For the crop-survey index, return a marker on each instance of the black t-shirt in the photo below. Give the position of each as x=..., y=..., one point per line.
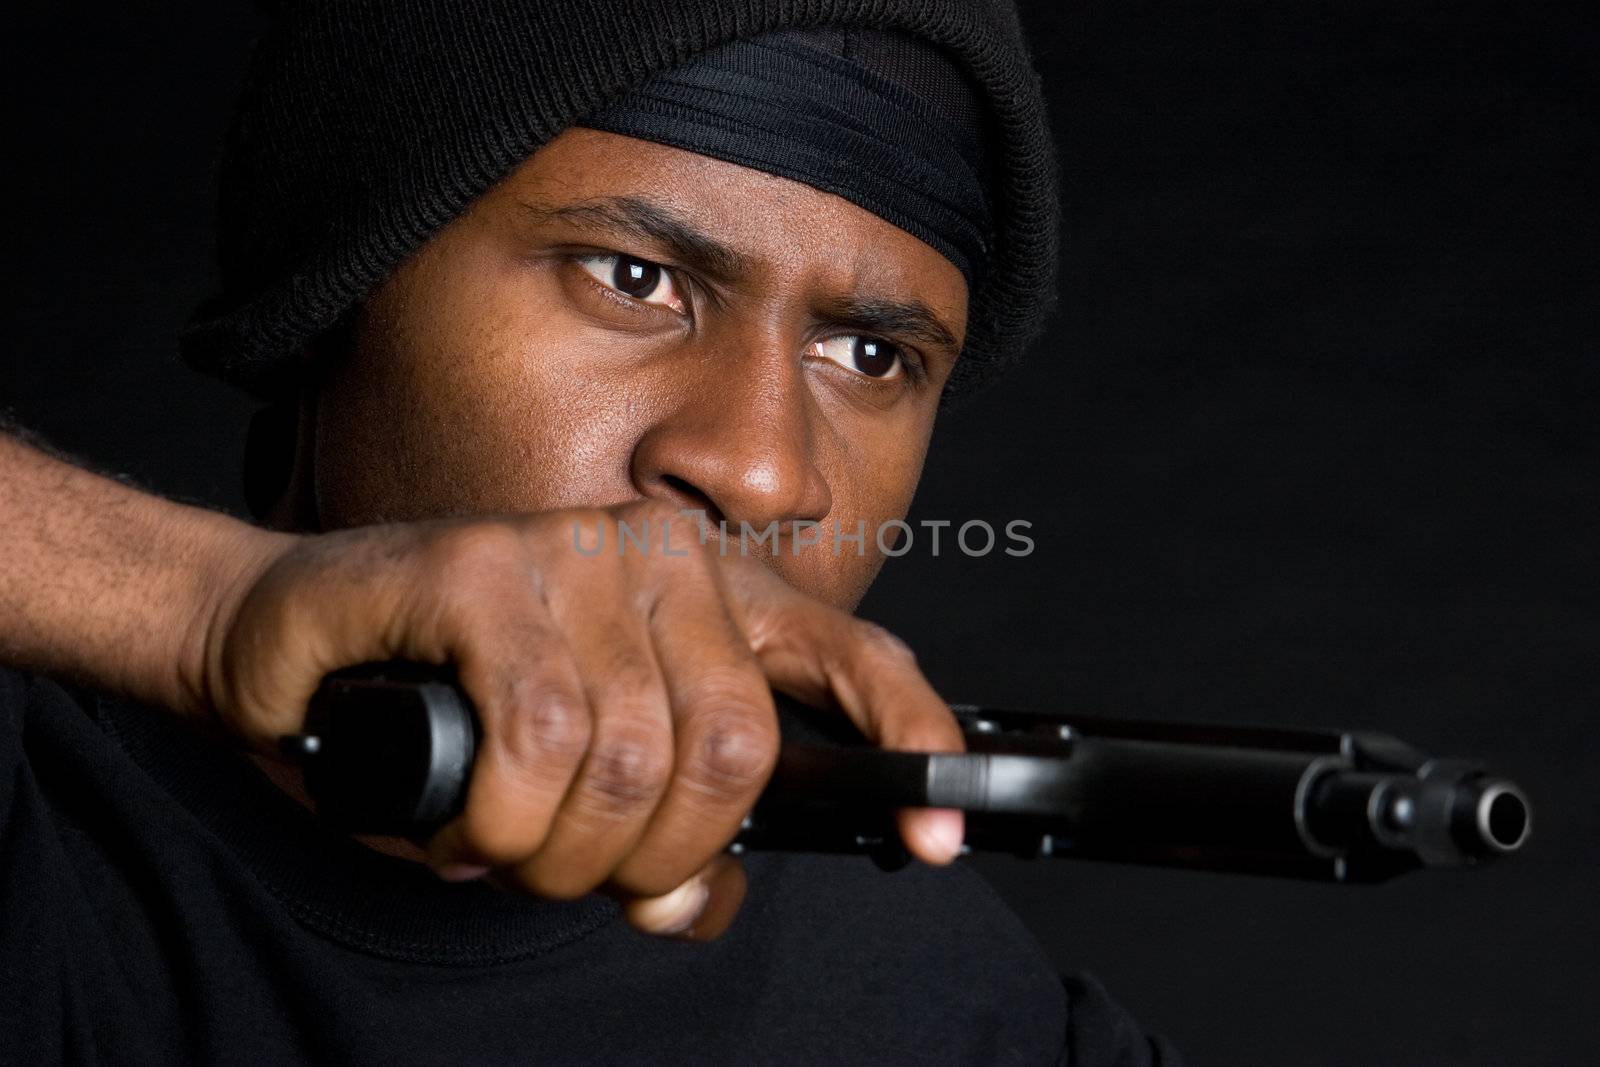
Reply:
x=162, y=902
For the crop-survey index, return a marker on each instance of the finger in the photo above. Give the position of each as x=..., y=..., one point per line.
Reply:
x=535, y=718
x=626, y=770
x=824, y=656
x=698, y=910
x=725, y=732
x=878, y=683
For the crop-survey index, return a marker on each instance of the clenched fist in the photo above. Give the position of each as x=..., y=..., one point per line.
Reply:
x=621, y=664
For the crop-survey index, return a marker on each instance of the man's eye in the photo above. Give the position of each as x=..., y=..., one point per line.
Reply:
x=871, y=356
x=644, y=281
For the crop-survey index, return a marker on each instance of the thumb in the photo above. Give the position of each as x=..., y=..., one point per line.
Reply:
x=698, y=910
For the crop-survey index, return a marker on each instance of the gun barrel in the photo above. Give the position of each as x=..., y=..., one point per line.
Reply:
x=391, y=750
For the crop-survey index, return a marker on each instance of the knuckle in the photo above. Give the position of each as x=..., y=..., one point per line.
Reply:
x=628, y=768
x=566, y=527
x=647, y=509
x=672, y=538
x=464, y=555
x=733, y=754
x=879, y=644
x=544, y=722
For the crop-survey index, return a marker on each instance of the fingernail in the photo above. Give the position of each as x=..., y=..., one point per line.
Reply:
x=677, y=911
x=461, y=872
x=947, y=830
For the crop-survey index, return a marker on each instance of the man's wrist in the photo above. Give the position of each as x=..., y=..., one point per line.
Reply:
x=229, y=558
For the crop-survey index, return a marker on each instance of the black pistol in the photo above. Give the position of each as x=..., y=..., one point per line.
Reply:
x=388, y=749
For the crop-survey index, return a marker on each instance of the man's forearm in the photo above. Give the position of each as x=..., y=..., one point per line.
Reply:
x=106, y=584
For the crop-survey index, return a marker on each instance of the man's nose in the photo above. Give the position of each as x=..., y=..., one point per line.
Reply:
x=742, y=449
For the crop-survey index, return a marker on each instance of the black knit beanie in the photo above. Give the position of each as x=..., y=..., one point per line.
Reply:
x=366, y=126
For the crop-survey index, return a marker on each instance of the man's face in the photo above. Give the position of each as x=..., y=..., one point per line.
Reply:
x=621, y=319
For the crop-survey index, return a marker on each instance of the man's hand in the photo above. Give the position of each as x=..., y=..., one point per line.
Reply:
x=624, y=696
x=628, y=722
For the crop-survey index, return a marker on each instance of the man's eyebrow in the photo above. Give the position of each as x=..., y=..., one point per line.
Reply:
x=650, y=220
x=896, y=318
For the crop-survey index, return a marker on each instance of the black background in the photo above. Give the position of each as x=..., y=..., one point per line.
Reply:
x=1310, y=441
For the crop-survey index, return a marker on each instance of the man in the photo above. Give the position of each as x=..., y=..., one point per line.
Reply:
x=525, y=278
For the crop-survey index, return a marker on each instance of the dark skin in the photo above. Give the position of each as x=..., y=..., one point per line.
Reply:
x=495, y=352
x=617, y=332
